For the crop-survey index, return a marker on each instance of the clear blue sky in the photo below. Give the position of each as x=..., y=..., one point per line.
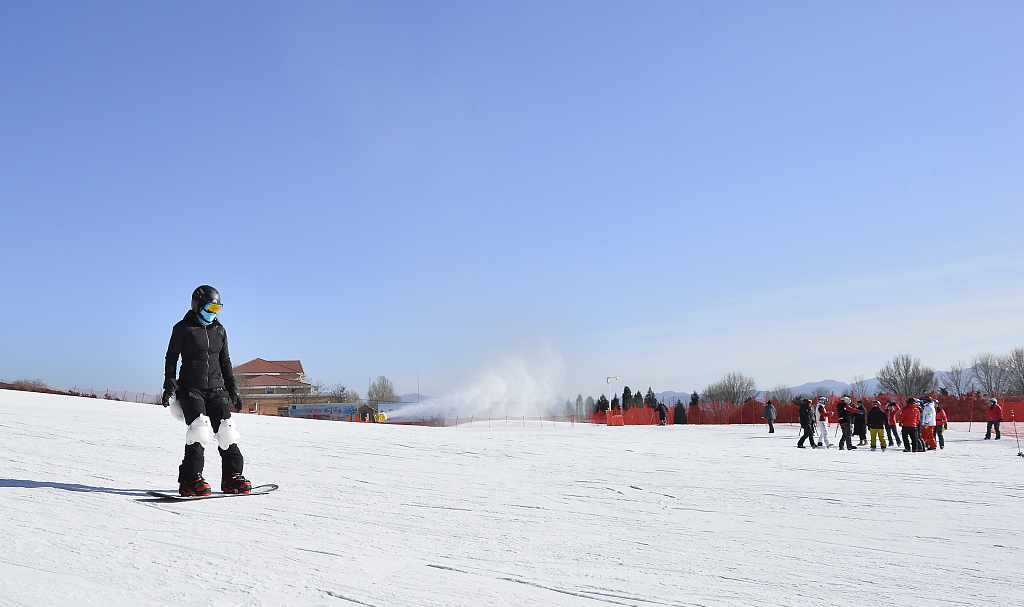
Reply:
x=660, y=191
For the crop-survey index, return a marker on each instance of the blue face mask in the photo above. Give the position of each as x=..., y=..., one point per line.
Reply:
x=206, y=317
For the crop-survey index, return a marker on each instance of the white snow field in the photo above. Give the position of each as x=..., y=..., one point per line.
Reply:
x=383, y=515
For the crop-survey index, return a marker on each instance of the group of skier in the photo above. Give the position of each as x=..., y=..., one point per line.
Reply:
x=917, y=426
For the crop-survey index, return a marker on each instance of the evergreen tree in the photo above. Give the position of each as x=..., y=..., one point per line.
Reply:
x=602, y=403
x=627, y=398
x=650, y=400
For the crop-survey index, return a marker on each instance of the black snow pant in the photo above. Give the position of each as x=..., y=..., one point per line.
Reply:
x=988, y=430
x=214, y=404
x=938, y=435
x=910, y=438
x=661, y=415
x=771, y=426
x=893, y=432
x=808, y=435
x=846, y=436
x=918, y=440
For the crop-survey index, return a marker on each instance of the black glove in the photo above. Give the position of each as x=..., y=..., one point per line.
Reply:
x=166, y=400
x=236, y=400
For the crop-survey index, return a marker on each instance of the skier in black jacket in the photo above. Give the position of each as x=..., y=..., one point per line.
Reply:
x=662, y=412
x=805, y=424
x=877, y=421
x=845, y=407
x=205, y=391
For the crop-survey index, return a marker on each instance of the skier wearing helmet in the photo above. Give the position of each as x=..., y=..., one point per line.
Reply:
x=203, y=395
x=995, y=415
x=846, y=409
x=821, y=415
x=909, y=418
x=928, y=420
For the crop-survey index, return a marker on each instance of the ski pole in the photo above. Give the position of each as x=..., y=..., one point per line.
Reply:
x=1013, y=418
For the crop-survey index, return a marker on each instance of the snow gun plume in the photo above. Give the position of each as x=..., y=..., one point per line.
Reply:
x=514, y=386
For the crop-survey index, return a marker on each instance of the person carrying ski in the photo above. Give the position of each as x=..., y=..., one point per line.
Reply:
x=909, y=418
x=805, y=424
x=876, y=423
x=941, y=424
x=821, y=417
x=892, y=415
x=769, y=415
x=928, y=421
x=860, y=425
x=846, y=409
x=204, y=392
x=995, y=415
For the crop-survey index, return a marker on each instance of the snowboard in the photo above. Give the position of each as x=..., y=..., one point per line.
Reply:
x=260, y=490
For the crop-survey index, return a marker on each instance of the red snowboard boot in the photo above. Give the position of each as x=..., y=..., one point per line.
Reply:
x=196, y=487
x=235, y=483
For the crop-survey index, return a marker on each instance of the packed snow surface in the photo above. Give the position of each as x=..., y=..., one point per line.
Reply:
x=382, y=515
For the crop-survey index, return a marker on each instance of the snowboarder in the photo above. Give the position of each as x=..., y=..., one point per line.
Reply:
x=821, y=417
x=941, y=424
x=892, y=415
x=769, y=415
x=909, y=418
x=846, y=409
x=877, y=420
x=805, y=424
x=860, y=425
x=928, y=421
x=204, y=391
x=995, y=415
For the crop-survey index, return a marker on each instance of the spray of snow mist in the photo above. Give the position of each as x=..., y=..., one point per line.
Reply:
x=515, y=386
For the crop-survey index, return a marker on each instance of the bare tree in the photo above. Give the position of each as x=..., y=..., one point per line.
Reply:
x=341, y=394
x=860, y=386
x=989, y=374
x=780, y=394
x=733, y=388
x=957, y=380
x=1014, y=365
x=822, y=391
x=904, y=375
x=382, y=391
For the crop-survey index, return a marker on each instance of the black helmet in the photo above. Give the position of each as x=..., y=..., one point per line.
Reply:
x=204, y=295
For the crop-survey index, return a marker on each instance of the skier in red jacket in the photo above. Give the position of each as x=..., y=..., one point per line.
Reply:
x=995, y=415
x=909, y=420
x=892, y=430
x=941, y=423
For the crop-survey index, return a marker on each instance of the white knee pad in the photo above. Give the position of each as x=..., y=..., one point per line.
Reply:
x=227, y=435
x=199, y=431
x=175, y=408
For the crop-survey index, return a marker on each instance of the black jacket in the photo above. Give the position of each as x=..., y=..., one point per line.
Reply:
x=205, y=362
x=877, y=418
x=805, y=415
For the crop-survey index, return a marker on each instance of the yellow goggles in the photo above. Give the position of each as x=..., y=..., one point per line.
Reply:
x=213, y=307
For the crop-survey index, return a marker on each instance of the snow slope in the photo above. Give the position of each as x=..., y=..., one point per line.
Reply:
x=393, y=515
